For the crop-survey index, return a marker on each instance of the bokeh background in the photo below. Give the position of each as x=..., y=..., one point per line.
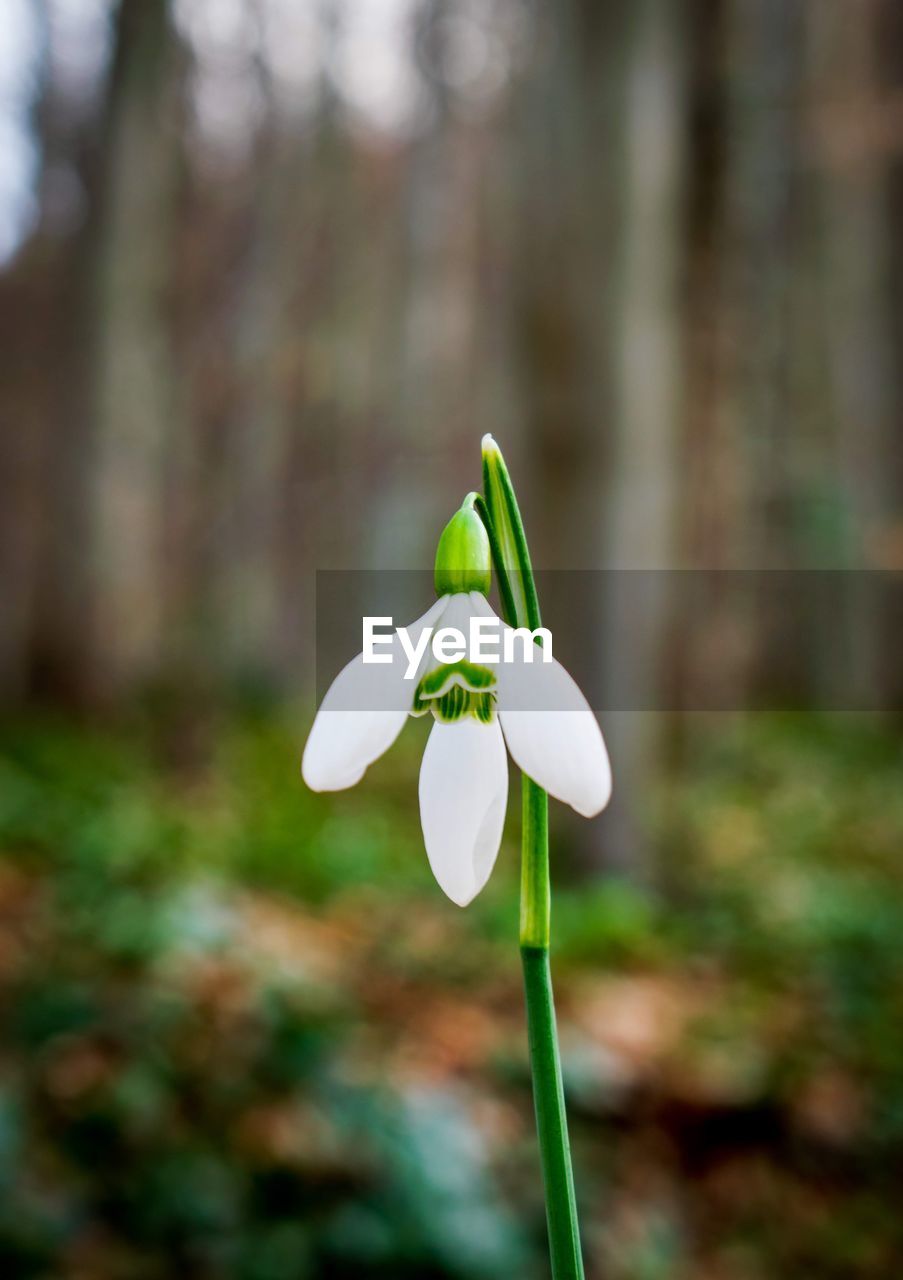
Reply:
x=268, y=271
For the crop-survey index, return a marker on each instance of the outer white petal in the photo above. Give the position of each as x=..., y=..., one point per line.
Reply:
x=550, y=729
x=463, y=797
x=362, y=714
x=457, y=614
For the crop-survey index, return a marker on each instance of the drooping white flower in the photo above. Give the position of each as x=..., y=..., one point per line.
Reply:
x=533, y=707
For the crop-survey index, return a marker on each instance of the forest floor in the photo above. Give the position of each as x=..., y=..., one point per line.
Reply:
x=246, y=1036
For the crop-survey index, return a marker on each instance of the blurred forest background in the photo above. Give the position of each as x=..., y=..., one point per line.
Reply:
x=268, y=271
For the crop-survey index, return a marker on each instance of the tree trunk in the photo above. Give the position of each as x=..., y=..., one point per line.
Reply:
x=135, y=374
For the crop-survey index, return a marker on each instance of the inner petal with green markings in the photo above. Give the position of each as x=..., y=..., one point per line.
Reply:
x=455, y=690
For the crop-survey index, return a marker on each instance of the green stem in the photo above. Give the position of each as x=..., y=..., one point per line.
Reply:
x=551, y=1117
x=517, y=589
x=545, y=1062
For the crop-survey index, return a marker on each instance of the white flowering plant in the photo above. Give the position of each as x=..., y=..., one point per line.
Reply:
x=486, y=704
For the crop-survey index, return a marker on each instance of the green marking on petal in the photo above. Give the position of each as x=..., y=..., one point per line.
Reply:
x=452, y=705
x=483, y=707
x=455, y=690
x=458, y=702
x=466, y=674
x=420, y=706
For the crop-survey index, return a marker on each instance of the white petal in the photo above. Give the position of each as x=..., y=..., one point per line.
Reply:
x=550, y=729
x=343, y=743
x=362, y=714
x=456, y=614
x=463, y=797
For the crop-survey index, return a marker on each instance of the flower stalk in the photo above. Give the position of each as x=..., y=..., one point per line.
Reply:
x=517, y=589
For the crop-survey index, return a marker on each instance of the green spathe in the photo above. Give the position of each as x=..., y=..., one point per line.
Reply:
x=463, y=558
x=509, y=542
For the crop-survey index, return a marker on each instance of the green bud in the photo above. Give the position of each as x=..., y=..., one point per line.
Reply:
x=463, y=559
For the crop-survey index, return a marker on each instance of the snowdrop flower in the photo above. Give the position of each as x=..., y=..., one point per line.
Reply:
x=534, y=708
